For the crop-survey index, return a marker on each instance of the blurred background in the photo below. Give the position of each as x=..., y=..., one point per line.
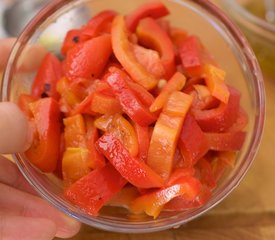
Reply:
x=256, y=18
x=15, y=14
x=249, y=212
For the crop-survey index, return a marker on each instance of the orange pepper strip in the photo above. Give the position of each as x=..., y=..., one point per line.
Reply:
x=104, y=104
x=124, y=131
x=74, y=164
x=124, y=197
x=177, y=36
x=103, y=122
x=70, y=95
x=215, y=82
x=176, y=83
x=121, y=129
x=24, y=101
x=166, y=133
x=123, y=52
x=153, y=203
x=75, y=131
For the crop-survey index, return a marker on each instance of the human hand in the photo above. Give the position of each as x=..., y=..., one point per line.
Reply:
x=23, y=215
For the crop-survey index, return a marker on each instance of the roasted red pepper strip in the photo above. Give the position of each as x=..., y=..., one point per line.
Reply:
x=151, y=35
x=154, y=9
x=135, y=171
x=49, y=72
x=193, y=56
x=122, y=129
x=192, y=143
x=190, y=53
x=96, y=26
x=96, y=159
x=241, y=121
x=221, y=118
x=229, y=141
x=153, y=203
x=166, y=133
x=141, y=93
x=206, y=175
x=88, y=59
x=73, y=37
x=91, y=192
x=180, y=173
x=202, y=98
x=123, y=52
x=143, y=141
x=99, y=23
x=44, y=151
x=149, y=59
x=130, y=104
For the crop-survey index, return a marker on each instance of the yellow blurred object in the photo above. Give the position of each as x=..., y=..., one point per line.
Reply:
x=8, y=156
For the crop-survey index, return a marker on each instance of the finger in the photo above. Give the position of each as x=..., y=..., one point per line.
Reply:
x=10, y=175
x=14, y=128
x=17, y=203
x=5, y=48
x=23, y=228
x=29, y=60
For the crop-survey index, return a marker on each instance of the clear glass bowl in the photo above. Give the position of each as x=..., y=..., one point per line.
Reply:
x=250, y=16
x=220, y=36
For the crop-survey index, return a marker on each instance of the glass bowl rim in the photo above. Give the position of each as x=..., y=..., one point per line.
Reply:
x=242, y=12
x=214, y=11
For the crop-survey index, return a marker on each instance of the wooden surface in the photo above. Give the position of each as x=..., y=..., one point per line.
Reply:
x=248, y=213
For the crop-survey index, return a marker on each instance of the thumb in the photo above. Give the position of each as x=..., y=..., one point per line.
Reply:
x=5, y=48
x=14, y=128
